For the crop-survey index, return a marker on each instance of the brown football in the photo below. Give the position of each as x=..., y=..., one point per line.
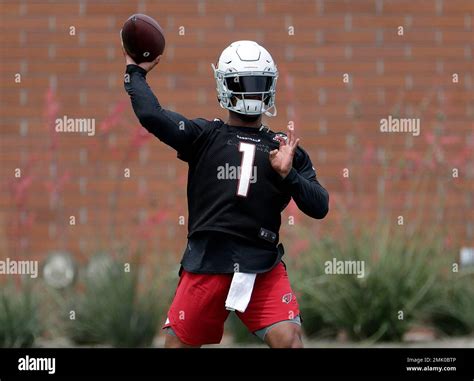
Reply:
x=142, y=38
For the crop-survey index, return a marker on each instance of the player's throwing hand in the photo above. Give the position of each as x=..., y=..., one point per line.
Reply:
x=144, y=65
x=281, y=159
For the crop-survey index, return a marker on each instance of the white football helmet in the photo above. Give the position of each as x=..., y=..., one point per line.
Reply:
x=246, y=77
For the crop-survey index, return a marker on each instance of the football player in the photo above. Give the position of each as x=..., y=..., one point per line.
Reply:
x=241, y=177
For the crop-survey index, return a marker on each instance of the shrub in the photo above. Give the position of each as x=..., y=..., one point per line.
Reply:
x=402, y=281
x=113, y=311
x=19, y=323
x=454, y=314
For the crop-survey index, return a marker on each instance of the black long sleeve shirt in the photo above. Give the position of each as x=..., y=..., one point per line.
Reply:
x=235, y=197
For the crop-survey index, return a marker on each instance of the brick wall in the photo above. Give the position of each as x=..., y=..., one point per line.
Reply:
x=344, y=65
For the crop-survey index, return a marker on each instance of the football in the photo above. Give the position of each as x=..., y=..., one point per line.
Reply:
x=142, y=38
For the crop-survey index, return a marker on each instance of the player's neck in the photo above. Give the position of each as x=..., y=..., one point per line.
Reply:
x=243, y=121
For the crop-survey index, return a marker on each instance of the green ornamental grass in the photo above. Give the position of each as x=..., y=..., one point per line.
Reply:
x=19, y=322
x=115, y=311
x=403, y=279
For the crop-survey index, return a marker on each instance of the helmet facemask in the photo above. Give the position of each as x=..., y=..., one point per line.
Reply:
x=249, y=93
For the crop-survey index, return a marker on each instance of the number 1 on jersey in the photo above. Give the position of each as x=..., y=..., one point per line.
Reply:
x=248, y=157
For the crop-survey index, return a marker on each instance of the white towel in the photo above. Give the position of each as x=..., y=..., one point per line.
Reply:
x=240, y=292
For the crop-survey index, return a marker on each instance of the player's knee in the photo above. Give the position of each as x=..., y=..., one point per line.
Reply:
x=293, y=338
x=287, y=336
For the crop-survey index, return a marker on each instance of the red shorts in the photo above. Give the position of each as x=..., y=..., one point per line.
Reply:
x=198, y=312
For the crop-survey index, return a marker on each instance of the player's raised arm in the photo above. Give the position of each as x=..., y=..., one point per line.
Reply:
x=170, y=127
x=299, y=177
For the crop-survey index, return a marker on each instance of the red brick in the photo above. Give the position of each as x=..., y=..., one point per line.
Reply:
x=320, y=39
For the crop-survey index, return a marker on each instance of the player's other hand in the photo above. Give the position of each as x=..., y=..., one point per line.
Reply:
x=144, y=65
x=281, y=159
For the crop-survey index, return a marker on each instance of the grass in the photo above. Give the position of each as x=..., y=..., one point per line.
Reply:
x=454, y=314
x=19, y=322
x=403, y=281
x=114, y=310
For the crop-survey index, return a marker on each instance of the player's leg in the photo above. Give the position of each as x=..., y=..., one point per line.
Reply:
x=285, y=334
x=273, y=311
x=197, y=313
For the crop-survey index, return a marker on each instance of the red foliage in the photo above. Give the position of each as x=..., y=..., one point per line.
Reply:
x=113, y=118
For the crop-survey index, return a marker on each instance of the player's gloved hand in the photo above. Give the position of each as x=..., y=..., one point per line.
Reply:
x=144, y=65
x=281, y=159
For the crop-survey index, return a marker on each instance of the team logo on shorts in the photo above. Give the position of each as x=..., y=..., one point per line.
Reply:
x=287, y=298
